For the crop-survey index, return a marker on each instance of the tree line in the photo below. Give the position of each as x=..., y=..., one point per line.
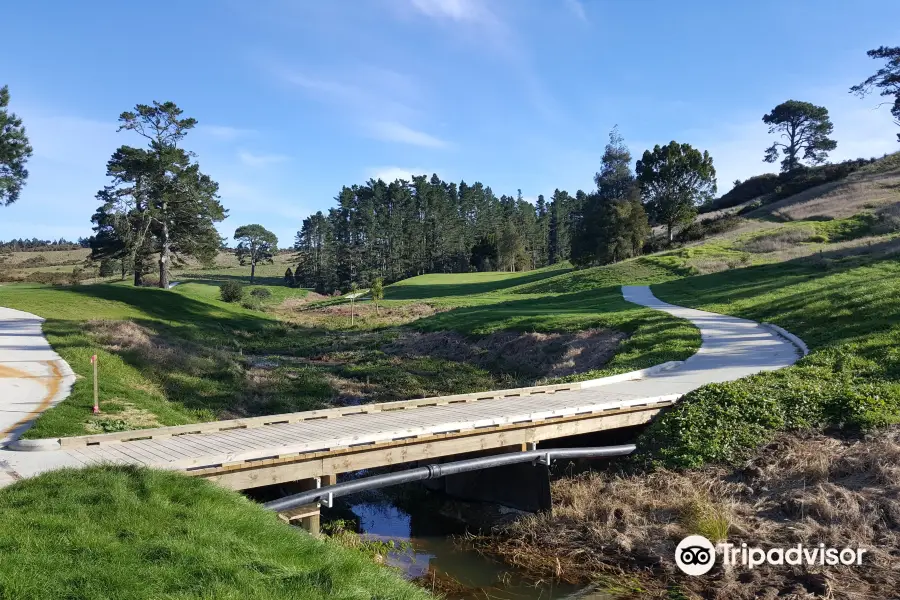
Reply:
x=391, y=231
x=427, y=225
x=159, y=208
x=34, y=244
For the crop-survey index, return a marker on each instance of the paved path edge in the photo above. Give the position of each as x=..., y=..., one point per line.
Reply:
x=801, y=345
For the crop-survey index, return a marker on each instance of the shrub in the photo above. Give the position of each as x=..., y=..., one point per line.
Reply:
x=888, y=220
x=750, y=207
x=252, y=303
x=150, y=281
x=34, y=261
x=699, y=230
x=760, y=185
x=722, y=422
x=775, y=187
x=261, y=293
x=51, y=278
x=803, y=179
x=231, y=291
x=76, y=276
x=110, y=267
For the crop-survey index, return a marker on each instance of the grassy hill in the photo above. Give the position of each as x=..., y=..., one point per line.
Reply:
x=112, y=532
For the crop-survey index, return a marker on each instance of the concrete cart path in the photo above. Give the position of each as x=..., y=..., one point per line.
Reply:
x=731, y=348
x=32, y=375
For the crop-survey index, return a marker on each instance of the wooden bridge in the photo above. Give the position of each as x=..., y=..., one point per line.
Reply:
x=316, y=446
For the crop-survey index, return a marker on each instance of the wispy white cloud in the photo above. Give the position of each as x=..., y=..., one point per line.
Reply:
x=379, y=101
x=389, y=174
x=319, y=86
x=390, y=131
x=261, y=160
x=456, y=10
x=484, y=28
x=577, y=9
x=224, y=132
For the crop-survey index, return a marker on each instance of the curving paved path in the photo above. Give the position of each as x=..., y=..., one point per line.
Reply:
x=731, y=348
x=33, y=377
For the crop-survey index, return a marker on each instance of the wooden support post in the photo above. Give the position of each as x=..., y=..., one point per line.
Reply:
x=96, y=386
x=310, y=520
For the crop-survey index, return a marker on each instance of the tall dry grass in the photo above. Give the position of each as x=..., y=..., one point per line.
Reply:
x=812, y=489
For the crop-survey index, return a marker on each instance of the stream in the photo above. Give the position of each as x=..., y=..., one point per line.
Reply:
x=433, y=551
x=431, y=543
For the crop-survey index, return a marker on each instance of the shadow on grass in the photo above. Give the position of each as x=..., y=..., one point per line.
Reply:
x=439, y=290
x=852, y=300
x=219, y=278
x=174, y=308
x=642, y=270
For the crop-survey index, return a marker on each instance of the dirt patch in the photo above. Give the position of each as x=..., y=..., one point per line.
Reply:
x=295, y=303
x=364, y=314
x=348, y=392
x=535, y=355
x=811, y=489
x=779, y=240
x=127, y=418
x=363, y=310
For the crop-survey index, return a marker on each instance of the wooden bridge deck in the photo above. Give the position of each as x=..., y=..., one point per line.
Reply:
x=247, y=453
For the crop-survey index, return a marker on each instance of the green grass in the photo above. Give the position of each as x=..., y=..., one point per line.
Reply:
x=193, y=358
x=653, y=337
x=114, y=532
x=848, y=313
x=638, y=271
x=127, y=383
x=441, y=285
x=207, y=290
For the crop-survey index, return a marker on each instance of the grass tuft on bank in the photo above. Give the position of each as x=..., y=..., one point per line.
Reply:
x=124, y=532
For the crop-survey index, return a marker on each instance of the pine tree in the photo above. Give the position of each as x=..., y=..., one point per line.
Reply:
x=256, y=245
x=612, y=223
x=160, y=194
x=14, y=152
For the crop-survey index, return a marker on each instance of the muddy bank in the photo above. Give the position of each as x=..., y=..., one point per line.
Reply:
x=799, y=489
x=534, y=355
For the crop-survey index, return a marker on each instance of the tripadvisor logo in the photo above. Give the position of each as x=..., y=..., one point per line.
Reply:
x=696, y=555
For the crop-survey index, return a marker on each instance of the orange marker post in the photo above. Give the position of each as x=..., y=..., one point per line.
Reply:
x=96, y=386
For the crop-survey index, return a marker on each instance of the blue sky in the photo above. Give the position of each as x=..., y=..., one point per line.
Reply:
x=297, y=98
